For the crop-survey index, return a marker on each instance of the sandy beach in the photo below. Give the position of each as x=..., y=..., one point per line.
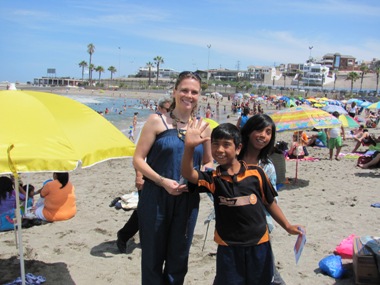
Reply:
x=331, y=198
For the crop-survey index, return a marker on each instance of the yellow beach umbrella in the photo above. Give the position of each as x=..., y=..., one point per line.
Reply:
x=213, y=124
x=54, y=133
x=44, y=132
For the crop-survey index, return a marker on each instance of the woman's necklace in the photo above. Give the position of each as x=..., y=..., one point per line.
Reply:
x=176, y=120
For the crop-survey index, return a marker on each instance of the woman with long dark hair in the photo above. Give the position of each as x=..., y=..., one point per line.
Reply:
x=58, y=203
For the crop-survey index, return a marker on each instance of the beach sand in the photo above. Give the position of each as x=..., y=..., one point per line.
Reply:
x=331, y=198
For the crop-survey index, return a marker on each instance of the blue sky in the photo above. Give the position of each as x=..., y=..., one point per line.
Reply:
x=42, y=34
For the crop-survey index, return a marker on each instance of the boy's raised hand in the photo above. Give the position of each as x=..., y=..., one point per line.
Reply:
x=194, y=133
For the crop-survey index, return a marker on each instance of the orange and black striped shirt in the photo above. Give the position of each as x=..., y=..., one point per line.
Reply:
x=239, y=202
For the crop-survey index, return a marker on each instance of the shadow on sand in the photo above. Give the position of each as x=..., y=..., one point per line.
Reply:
x=55, y=273
x=109, y=248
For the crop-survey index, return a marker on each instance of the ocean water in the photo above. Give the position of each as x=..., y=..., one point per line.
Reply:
x=119, y=116
x=122, y=118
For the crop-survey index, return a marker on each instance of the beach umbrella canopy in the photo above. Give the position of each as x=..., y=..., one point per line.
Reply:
x=365, y=104
x=357, y=101
x=238, y=96
x=303, y=118
x=334, y=108
x=348, y=121
x=55, y=133
x=44, y=132
x=213, y=124
x=374, y=106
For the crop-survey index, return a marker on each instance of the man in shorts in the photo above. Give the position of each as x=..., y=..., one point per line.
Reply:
x=334, y=136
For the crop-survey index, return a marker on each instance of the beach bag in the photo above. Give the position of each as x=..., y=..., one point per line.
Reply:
x=345, y=248
x=7, y=220
x=332, y=266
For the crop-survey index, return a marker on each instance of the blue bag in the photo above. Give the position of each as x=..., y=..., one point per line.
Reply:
x=332, y=266
x=7, y=220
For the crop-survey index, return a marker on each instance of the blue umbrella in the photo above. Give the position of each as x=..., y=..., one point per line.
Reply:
x=365, y=104
x=333, y=108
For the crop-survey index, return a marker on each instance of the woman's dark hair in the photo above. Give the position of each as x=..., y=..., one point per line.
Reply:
x=6, y=186
x=63, y=178
x=226, y=131
x=257, y=123
x=246, y=111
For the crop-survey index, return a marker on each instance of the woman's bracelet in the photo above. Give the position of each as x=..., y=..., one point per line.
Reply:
x=161, y=180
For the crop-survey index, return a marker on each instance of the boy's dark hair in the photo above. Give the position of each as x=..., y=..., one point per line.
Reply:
x=226, y=131
x=256, y=123
x=31, y=188
x=336, y=114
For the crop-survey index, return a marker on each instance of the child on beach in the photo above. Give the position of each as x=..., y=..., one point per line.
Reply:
x=241, y=192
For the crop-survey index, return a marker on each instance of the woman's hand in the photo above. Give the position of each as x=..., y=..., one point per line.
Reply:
x=173, y=187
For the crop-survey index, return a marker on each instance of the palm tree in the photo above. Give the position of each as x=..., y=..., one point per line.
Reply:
x=352, y=76
x=99, y=69
x=158, y=60
x=150, y=65
x=376, y=69
x=112, y=69
x=83, y=65
x=90, y=50
x=364, y=69
x=91, y=68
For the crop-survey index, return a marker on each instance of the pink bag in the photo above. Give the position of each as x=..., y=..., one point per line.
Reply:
x=345, y=248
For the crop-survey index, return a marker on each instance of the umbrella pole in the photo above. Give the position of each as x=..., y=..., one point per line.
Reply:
x=19, y=232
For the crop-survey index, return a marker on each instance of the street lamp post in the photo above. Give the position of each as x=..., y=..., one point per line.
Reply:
x=119, y=61
x=308, y=73
x=208, y=62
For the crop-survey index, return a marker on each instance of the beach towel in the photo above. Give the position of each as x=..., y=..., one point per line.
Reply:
x=30, y=279
x=126, y=202
x=306, y=158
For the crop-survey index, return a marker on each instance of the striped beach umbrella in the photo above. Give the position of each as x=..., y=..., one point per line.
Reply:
x=303, y=118
x=374, y=106
x=348, y=121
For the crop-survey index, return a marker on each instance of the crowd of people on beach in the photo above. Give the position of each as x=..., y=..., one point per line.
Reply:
x=177, y=157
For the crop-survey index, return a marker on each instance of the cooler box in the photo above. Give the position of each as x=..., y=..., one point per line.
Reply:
x=364, y=264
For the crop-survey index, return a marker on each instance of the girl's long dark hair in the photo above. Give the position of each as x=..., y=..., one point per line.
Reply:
x=63, y=178
x=256, y=123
